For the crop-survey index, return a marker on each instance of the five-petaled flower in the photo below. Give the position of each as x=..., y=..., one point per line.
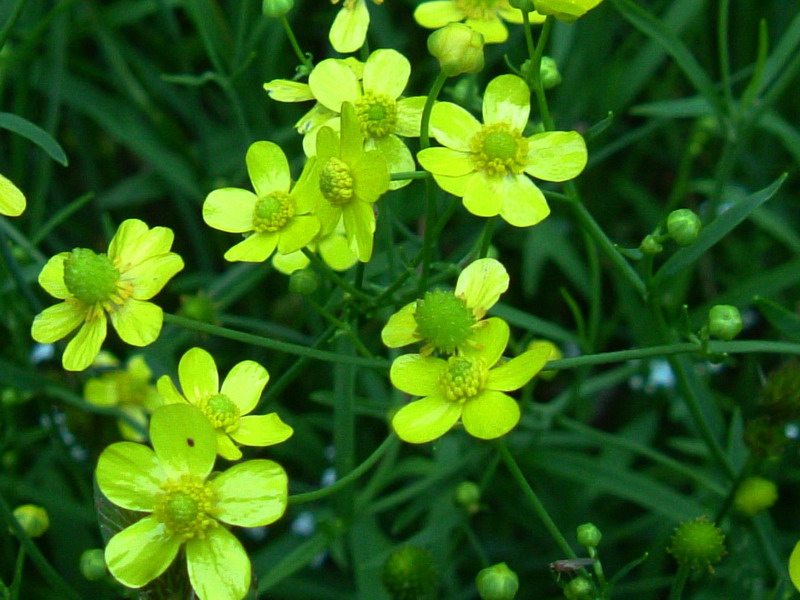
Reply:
x=484, y=16
x=469, y=386
x=138, y=265
x=12, y=200
x=488, y=165
x=185, y=508
x=227, y=408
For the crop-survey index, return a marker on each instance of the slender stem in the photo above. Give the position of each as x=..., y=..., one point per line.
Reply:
x=334, y=277
x=486, y=237
x=723, y=48
x=263, y=342
x=408, y=175
x=17, y=276
x=533, y=499
x=676, y=593
x=295, y=46
x=11, y=20
x=536, y=64
x=365, y=466
x=341, y=325
x=344, y=426
x=475, y=543
x=425, y=133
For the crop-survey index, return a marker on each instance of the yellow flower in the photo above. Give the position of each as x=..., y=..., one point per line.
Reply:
x=350, y=180
x=565, y=10
x=469, y=386
x=332, y=248
x=12, y=200
x=185, y=508
x=484, y=16
x=349, y=29
x=448, y=321
x=226, y=408
x=128, y=388
x=553, y=353
x=382, y=113
x=488, y=165
x=794, y=566
x=138, y=265
x=276, y=216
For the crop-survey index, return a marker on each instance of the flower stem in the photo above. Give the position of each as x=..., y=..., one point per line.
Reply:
x=676, y=592
x=341, y=325
x=295, y=46
x=332, y=276
x=486, y=237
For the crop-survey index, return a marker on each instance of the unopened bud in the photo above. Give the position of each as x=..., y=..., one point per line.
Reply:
x=650, y=245
x=754, y=495
x=549, y=73
x=275, y=9
x=468, y=496
x=579, y=588
x=33, y=519
x=684, y=226
x=410, y=574
x=304, y=282
x=93, y=564
x=497, y=582
x=724, y=321
x=458, y=48
x=589, y=535
x=526, y=5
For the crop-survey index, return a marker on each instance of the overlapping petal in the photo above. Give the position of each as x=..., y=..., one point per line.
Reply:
x=453, y=126
x=183, y=440
x=58, y=321
x=400, y=328
x=82, y=349
x=261, y=430
x=417, y=375
x=230, y=209
x=518, y=371
x=437, y=13
x=507, y=100
x=137, y=322
x=141, y=552
x=143, y=475
x=490, y=415
x=488, y=342
x=251, y=494
x=198, y=375
x=481, y=284
x=268, y=168
x=333, y=82
x=386, y=72
x=51, y=277
x=244, y=384
x=219, y=568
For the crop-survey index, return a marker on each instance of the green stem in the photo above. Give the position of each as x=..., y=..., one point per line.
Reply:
x=353, y=475
x=486, y=237
x=17, y=276
x=536, y=65
x=342, y=326
x=11, y=20
x=295, y=46
x=475, y=543
x=262, y=342
x=344, y=426
x=533, y=499
x=408, y=175
x=676, y=592
x=334, y=278
x=723, y=49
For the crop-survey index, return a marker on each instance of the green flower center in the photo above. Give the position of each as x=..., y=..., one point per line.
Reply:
x=463, y=378
x=483, y=10
x=498, y=150
x=273, y=212
x=185, y=507
x=336, y=182
x=90, y=277
x=443, y=320
x=221, y=411
x=377, y=114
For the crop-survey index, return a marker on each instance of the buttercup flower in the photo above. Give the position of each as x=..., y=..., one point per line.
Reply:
x=138, y=265
x=349, y=29
x=488, y=165
x=12, y=200
x=382, y=113
x=226, y=408
x=185, y=508
x=565, y=10
x=484, y=16
x=275, y=216
x=350, y=181
x=448, y=321
x=332, y=248
x=128, y=388
x=469, y=386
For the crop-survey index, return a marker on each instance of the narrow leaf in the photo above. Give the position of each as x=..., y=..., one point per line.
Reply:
x=785, y=321
x=35, y=134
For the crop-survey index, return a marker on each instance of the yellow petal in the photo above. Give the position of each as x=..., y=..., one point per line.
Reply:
x=57, y=321
x=130, y=475
x=401, y=327
x=445, y=161
x=515, y=373
x=359, y=223
x=101, y=391
x=268, y=169
x=397, y=156
x=426, y=420
x=184, y=440
x=490, y=415
x=481, y=284
x=151, y=275
x=488, y=342
x=142, y=552
x=12, y=200
x=51, y=277
x=349, y=29
x=453, y=126
x=493, y=30
x=417, y=375
x=454, y=185
x=409, y=116
x=230, y=209
x=198, y=375
x=335, y=251
x=386, y=72
x=219, y=568
x=169, y=393
x=286, y=90
x=298, y=233
x=514, y=15
x=257, y=247
x=226, y=448
x=483, y=195
x=84, y=347
x=507, y=100
x=556, y=155
x=289, y=263
x=261, y=430
x=137, y=322
x=437, y=13
x=244, y=384
x=334, y=82
x=794, y=566
x=523, y=202
x=251, y=494
x=134, y=243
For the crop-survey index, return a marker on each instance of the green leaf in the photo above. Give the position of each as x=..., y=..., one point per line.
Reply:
x=293, y=561
x=785, y=321
x=35, y=134
x=716, y=230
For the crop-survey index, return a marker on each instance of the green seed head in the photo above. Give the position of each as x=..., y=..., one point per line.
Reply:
x=90, y=277
x=336, y=182
x=410, y=574
x=698, y=544
x=443, y=320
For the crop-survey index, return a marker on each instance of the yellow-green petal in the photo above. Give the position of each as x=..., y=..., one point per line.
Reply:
x=268, y=169
x=142, y=552
x=490, y=415
x=507, y=100
x=84, y=347
x=566, y=10
x=286, y=90
x=409, y=116
x=257, y=247
x=251, y=494
x=332, y=82
x=138, y=415
x=351, y=140
x=58, y=321
x=298, y=233
x=306, y=191
x=523, y=202
x=453, y=126
x=101, y=391
x=12, y=200
x=488, y=341
x=401, y=327
x=437, y=13
x=518, y=371
x=289, y=263
x=168, y=392
x=556, y=155
x=426, y=420
x=514, y=15
x=336, y=253
x=226, y=448
x=494, y=31
x=138, y=369
x=130, y=475
x=483, y=195
x=198, y=375
x=51, y=277
x=359, y=223
x=137, y=322
x=244, y=384
x=481, y=284
x=349, y=29
x=150, y=276
x=230, y=209
x=454, y=185
x=386, y=72
x=219, y=568
x=184, y=440
x=135, y=242
x=446, y=161
x=370, y=176
x=261, y=430
x=417, y=375
x=397, y=156
x=794, y=566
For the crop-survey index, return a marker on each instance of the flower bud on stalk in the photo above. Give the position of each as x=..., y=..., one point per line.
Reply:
x=275, y=9
x=724, y=321
x=458, y=48
x=410, y=574
x=33, y=519
x=684, y=226
x=589, y=535
x=497, y=582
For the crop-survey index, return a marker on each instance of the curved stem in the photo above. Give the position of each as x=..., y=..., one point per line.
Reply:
x=295, y=46
x=334, y=278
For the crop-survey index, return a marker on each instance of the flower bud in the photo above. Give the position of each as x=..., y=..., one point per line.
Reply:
x=497, y=582
x=198, y=307
x=554, y=353
x=754, y=495
x=698, y=544
x=33, y=519
x=683, y=226
x=304, y=282
x=458, y=48
x=589, y=535
x=650, y=245
x=526, y=5
x=579, y=588
x=724, y=321
x=275, y=9
x=549, y=73
x=563, y=11
x=93, y=564
x=468, y=496
x=410, y=574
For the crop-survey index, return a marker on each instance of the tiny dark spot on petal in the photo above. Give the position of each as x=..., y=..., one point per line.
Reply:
x=190, y=441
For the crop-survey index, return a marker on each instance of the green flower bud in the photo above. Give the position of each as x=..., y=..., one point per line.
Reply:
x=683, y=226
x=458, y=48
x=650, y=245
x=304, y=282
x=549, y=73
x=275, y=9
x=724, y=321
x=497, y=582
x=526, y=5
x=579, y=588
x=198, y=307
x=33, y=519
x=589, y=535
x=698, y=544
x=93, y=564
x=468, y=496
x=754, y=495
x=410, y=574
